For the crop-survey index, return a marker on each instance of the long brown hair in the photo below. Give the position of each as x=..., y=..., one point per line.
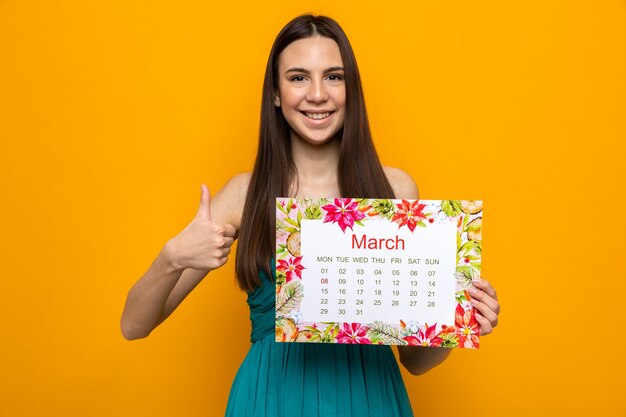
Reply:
x=359, y=172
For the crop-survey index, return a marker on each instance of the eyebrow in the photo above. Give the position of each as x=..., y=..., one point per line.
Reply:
x=305, y=71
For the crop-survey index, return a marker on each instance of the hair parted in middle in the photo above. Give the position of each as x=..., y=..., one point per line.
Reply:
x=359, y=172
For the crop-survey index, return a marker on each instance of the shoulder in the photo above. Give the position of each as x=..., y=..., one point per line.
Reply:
x=402, y=183
x=239, y=183
x=227, y=204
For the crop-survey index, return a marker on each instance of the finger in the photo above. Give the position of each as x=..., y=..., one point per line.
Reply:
x=221, y=261
x=485, y=311
x=228, y=242
x=204, y=211
x=229, y=230
x=220, y=252
x=216, y=263
x=485, y=325
x=484, y=285
x=480, y=295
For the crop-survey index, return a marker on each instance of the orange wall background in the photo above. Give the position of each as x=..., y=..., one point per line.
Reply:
x=113, y=113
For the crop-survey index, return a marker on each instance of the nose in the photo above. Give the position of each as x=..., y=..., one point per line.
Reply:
x=317, y=92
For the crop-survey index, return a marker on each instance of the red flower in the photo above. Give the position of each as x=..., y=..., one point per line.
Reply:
x=353, y=334
x=409, y=214
x=447, y=330
x=467, y=327
x=290, y=268
x=344, y=212
x=425, y=337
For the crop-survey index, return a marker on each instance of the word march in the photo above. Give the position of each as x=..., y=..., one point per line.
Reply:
x=377, y=243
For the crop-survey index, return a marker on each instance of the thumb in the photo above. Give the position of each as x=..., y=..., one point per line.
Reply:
x=204, y=211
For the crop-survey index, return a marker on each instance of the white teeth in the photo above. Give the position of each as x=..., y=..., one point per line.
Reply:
x=317, y=116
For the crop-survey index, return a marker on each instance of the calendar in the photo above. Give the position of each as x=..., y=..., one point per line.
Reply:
x=377, y=271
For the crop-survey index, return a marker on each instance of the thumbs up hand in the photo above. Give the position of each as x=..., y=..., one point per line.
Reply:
x=203, y=244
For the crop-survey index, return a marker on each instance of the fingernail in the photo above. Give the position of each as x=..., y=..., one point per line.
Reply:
x=473, y=291
x=474, y=302
x=476, y=281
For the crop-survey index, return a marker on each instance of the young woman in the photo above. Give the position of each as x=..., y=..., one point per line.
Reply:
x=314, y=142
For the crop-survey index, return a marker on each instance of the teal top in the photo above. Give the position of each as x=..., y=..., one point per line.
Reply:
x=312, y=379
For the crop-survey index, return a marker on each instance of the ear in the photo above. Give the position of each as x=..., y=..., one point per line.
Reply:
x=277, y=101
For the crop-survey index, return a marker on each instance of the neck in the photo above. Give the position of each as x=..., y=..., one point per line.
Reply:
x=316, y=167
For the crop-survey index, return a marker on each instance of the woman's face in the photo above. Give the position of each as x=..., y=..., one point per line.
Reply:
x=312, y=91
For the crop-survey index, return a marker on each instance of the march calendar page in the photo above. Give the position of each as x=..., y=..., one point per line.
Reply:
x=377, y=271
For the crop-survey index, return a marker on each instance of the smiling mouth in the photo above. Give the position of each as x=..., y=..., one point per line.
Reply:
x=317, y=116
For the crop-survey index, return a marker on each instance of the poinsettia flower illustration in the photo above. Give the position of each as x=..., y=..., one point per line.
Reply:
x=353, y=334
x=344, y=212
x=427, y=336
x=445, y=329
x=290, y=267
x=409, y=214
x=467, y=327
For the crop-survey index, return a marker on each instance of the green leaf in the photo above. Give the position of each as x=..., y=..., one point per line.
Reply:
x=384, y=207
x=329, y=334
x=475, y=227
x=281, y=277
x=299, y=218
x=313, y=212
x=451, y=208
x=478, y=247
x=386, y=333
x=421, y=224
x=292, y=222
x=475, y=265
x=312, y=329
x=464, y=275
x=289, y=297
x=450, y=340
x=467, y=247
